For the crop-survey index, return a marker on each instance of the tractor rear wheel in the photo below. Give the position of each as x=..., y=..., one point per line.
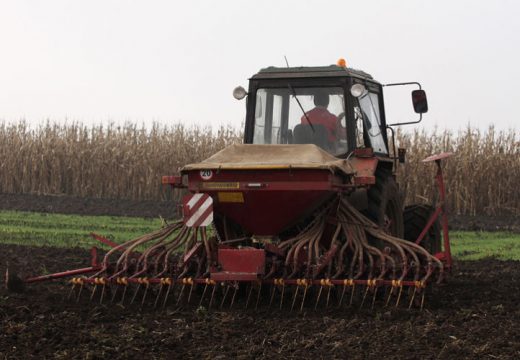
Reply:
x=385, y=207
x=415, y=219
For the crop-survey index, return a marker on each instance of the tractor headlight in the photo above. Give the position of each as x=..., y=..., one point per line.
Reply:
x=357, y=90
x=239, y=93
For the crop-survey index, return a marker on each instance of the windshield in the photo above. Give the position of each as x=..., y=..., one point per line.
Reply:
x=301, y=115
x=369, y=103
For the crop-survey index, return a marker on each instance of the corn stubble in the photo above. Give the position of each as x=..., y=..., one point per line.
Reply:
x=128, y=162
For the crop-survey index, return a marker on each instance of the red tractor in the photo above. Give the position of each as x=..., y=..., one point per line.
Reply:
x=308, y=203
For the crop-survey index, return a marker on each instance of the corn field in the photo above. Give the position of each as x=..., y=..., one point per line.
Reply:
x=101, y=161
x=482, y=177
x=127, y=162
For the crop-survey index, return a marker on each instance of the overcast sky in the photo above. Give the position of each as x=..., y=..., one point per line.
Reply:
x=168, y=61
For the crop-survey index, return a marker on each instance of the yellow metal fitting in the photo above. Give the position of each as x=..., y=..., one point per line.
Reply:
x=420, y=284
x=397, y=283
x=348, y=282
x=279, y=281
x=302, y=282
x=166, y=281
x=187, y=281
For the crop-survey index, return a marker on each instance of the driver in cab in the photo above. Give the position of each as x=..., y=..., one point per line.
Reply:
x=321, y=116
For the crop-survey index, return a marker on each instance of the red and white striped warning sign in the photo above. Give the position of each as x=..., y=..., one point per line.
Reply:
x=197, y=210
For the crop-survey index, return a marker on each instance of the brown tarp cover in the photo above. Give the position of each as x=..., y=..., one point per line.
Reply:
x=252, y=156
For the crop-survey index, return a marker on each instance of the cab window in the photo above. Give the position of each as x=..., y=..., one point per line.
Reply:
x=369, y=103
x=301, y=115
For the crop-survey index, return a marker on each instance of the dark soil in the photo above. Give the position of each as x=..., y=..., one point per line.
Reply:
x=63, y=204
x=147, y=208
x=476, y=315
x=485, y=223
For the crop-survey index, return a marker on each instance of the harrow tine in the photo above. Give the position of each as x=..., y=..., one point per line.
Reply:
x=180, y=295
x=93, y=292
x=422, y=299
x=364, y=297
x=318, y=299
x=352, y=294
x=389, y=296
x=374, y=297
x=114, y=295
x=294, y=298
x=212, y=296
x=224, y=297
x=167, y=294
x=79, y=292
x=234, y=295
x=191, y=291
x=135, y=294
x=304, y=295
x=399, y=296
x=281, y=296
x=124, y=294
x=328, y=297
x=258, y=296
x=102, y=294
x=203, y=293
x=271, y=298
x=413, y=297
x=340, y=302
x=249, y=295
x=145, y=293
x=71, y=291
x=158, y=296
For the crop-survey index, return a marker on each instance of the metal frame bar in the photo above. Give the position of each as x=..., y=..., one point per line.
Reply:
x=439, y=211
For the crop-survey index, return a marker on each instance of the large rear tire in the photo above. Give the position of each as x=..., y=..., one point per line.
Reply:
x=415, y=219
x=385, y=207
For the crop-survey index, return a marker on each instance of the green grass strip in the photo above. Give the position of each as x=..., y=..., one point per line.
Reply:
x=467, y=245
x=43, y=229
x=58, y=230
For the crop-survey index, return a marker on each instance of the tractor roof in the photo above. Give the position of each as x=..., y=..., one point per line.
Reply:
x=310, y=72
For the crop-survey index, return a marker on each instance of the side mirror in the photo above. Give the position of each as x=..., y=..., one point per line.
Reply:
x=420, y=103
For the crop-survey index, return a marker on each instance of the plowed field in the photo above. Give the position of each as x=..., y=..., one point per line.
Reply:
x=476, y=315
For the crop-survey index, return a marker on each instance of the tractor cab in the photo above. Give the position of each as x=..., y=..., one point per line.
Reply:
x=334, y=107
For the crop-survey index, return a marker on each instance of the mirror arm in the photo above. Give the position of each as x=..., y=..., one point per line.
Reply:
x=406, y=83
x=407, y=123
